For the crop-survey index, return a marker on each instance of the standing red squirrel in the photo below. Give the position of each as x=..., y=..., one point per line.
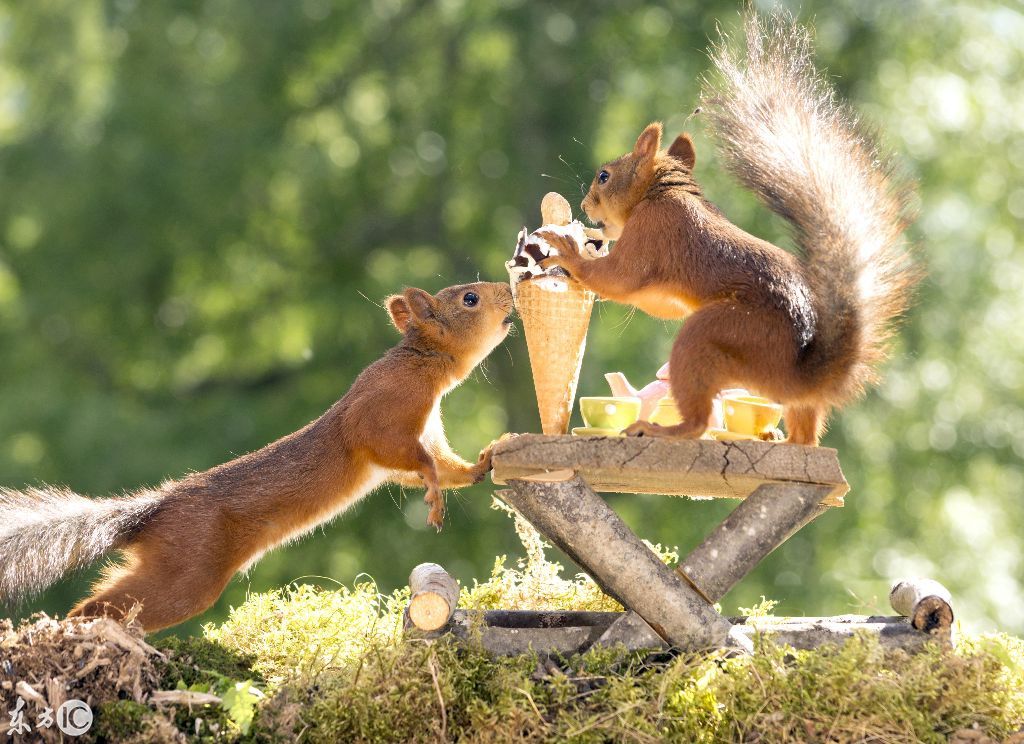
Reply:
x=182, y=542
x=805, y=331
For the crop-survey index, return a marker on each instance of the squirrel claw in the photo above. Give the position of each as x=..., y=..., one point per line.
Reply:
x=483, y=465
x=647, y=429
x=566, y=246
x=643, y=429
x=435, y=499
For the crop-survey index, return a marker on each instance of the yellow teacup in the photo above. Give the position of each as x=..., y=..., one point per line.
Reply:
x=612, y=412
x=751, y=414
x=666, y=413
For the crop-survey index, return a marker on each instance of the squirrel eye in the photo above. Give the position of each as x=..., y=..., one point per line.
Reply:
x=603, y=176
x=470, y=299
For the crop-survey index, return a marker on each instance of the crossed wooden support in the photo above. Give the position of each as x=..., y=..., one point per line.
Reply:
x=552, y=482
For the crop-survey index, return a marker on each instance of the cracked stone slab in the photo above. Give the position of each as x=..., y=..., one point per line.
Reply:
x=695, y=468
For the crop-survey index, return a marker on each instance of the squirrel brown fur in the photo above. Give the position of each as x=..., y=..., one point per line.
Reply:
x=808, y=331
x=182, y=542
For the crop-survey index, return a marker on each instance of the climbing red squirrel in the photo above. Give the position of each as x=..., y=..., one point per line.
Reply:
x=182, y=542
x=805, y=331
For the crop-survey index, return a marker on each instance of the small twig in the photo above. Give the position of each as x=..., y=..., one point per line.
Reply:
x=183, y=697
x=440, y=697
x=585, y=693
x=602, y=719
x=24, y=689
x=95, y=663
x=533, y=705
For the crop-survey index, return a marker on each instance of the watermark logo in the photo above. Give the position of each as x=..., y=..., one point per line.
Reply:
x=73, y=718
x=18, y=724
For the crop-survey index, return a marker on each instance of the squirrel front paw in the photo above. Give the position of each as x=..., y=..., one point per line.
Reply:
x=568, y=250
x=435, y=500
x=483, y=465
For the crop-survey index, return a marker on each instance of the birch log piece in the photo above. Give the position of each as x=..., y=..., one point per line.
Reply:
x=507, y=632
x=761, y=523
x=926, y=602
x=434, y=596
x=800, y=633
x=580, y=523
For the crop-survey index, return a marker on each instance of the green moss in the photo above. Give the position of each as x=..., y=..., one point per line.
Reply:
x=340, y=670
x=121, y=719
x=417, y=692
x=202, y=662
x=203, y=665
x=861, y=687
x=305, y=631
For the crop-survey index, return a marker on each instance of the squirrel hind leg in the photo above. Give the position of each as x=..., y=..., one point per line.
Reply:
x=730, y=344
x=805, y=424
x=710, y=354
x=170, y=590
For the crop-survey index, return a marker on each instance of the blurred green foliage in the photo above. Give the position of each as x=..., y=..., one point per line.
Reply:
x=203, y=201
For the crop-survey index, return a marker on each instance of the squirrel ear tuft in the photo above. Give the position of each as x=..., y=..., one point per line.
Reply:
x=400, y=312
x=648, y=142
x=683, y=150
x=420, y=303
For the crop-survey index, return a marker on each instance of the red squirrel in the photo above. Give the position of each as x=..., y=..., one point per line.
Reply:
x=808, y=331
x=182, y=542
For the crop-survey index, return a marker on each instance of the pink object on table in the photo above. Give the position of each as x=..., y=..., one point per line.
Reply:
x=652, y=393
x=649, y=395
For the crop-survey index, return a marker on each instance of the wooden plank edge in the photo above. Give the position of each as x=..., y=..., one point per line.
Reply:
x=502, y=473
x=835, y=498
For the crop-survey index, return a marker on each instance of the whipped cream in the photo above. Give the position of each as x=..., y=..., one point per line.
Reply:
x=531, y=249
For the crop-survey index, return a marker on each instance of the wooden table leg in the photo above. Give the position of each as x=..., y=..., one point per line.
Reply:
x=580, y=523
x=764, y=520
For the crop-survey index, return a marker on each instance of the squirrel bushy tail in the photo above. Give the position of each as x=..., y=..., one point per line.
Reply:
x=48, y=532
x=785, y=136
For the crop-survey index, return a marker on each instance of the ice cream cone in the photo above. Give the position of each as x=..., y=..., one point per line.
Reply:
x=556, y=313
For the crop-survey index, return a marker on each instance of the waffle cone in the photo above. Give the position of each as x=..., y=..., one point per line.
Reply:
x=555, y=316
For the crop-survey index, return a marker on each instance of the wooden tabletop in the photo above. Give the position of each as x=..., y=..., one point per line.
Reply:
x=697, y=468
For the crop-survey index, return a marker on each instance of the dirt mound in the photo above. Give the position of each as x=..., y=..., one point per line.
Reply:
x=46, y=662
